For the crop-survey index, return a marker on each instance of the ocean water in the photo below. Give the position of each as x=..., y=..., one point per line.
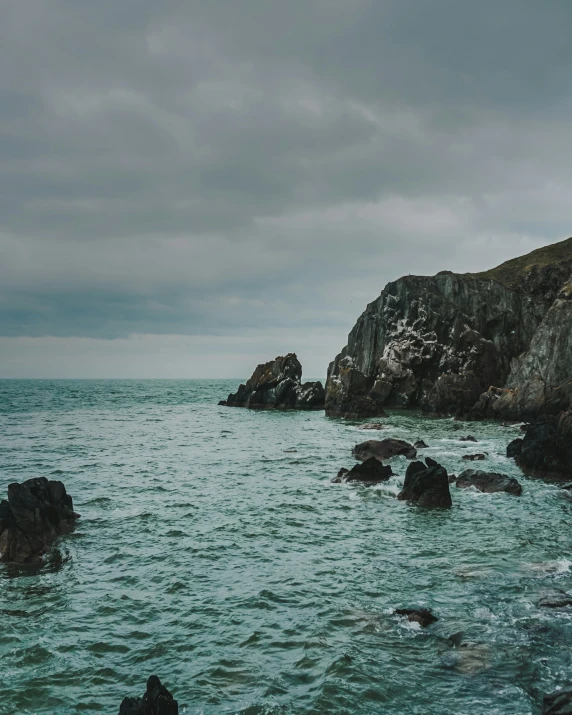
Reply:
x=210, y=554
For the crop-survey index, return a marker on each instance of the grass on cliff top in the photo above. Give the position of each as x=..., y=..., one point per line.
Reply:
x=511, y=272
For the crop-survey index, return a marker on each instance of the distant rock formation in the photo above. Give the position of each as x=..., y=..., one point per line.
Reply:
x=35, y=514
x=426, y=484
x=277, y=385
x=495, y=344
x=488, y=482
x=383, y=449
x=156, y=701
x=372, y=471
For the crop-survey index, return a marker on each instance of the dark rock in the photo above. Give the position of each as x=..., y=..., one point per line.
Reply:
x=489, y=482
x=558, y=703
x=35, y=514
x=546, y=449
x=353, y=394
x=423, y=616
x=373, y=425
x=420, y=444
x=223, y=403
x=514, y=448
x=426, y=484
x=452, y=478
x=474, y=457
x=156, y=701
x=556, y=601
x=468, y=438
x=277, y=385
x=371, y=471
x=383, y=449
x=340, y=476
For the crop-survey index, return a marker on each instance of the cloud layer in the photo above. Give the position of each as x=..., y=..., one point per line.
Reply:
x=226, y=171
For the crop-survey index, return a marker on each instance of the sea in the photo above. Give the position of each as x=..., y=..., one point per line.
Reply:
x=214, y=551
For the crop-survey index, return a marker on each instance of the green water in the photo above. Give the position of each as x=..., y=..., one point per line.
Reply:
x=249, y=583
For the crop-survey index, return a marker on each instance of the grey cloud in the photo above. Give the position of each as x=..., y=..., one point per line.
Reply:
x=208, y=167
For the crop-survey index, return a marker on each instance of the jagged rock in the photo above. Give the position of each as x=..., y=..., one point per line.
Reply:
x=441, y=342
x=546, y=449
x=35, y=514
x=474, y=457
x=156, y=701
x=373, y=425
x=383, y=449
x=558, y=703
x=277, y=385
x=423, y=616
x=489, y=482
x=372, y=471
x=468, y=438
x=558, y=600
x=420, y=444
x=514, y=448
x=426, y=484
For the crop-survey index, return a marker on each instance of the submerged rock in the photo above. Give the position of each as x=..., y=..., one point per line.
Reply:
x=474, y=457
x=426, y=484
x=156, y=701
x=277, y=385
x=373, y=425
x=384, y=449
x=372, y=471
x=557, y=600
x=423, y=616
x=420, y=444
x=489, y=482
x=558, y=703
x=468, y=438
x=35, y=514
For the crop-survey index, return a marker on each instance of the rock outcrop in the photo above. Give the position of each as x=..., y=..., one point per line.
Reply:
x=488, y=482
x=558, y=703
x=495, y=344
x=156, y=701
x=546, y=448
x=34, y=515
x=426, y=484
x=383, y=449
x=277, y=385
x=372, y=471
x=423, y=616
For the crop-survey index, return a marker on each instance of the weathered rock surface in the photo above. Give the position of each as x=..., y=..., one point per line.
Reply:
x=156, y=701
x=423, y=616
x=495, y=344
x=35, y=514
x=488, y=482
x=558, y=703
x=277, y=385
x=546, y=449
x=372, y=471
x=383, y=449
x=426, y=484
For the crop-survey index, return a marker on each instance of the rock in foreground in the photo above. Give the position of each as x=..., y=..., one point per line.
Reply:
x=156, y=701
x=489, y=482
x=35, y=514
x=372, y=471
x=558, y=703
x=383, y=449
x=426, y=484
x=277, y=385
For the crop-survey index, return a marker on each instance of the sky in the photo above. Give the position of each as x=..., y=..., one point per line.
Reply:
x=191, y=187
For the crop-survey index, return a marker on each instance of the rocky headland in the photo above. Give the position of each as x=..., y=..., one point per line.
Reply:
x=277, y=385
x=492, y=345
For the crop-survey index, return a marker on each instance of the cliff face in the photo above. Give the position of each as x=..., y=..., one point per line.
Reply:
x=440, y=342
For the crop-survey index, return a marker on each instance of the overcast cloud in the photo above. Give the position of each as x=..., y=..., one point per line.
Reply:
x=190, y=187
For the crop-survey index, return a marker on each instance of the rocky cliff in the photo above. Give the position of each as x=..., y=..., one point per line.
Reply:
x=439, y=343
